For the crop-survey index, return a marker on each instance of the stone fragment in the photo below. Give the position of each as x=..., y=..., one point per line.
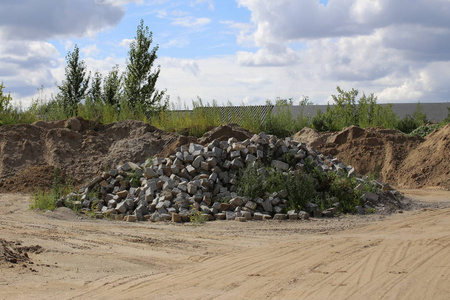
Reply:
x=220, y=216
x=258, y=216
x=251, y=205
x=176, y=218
x=267, y=206
x=292, y=215
x=122, y=194
x=280, y=165
x=280, y=217
x=197, y=161
x=231, y=215
x=121, y=208
x=130, y=218
x=237, y=201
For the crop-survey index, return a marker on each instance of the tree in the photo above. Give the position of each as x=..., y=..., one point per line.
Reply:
x=112, y=88
x=73, y=88
x=140, y=78
x=419, y=116
x=5, y=100
x=95, y=92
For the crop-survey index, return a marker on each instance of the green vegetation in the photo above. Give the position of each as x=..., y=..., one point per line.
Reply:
x=197, y=217
x=310, y=185
x=46, y=200
x=74, y=88
x=111, y=106
x=425, y=130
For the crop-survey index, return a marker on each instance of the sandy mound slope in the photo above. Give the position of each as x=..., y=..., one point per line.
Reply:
x=373, y=150
x=429, y=163
x=81, y=149
x=76, y=146
x=224, y=132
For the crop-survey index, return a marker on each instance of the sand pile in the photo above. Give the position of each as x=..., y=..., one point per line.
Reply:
x=429, y=163
x=78, y=147
x=388, y=154
x=29, y=154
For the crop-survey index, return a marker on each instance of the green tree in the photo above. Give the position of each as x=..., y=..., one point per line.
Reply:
x=73, y=88
x=140, y=78
x=345, y=108
x=95, y=92
x=5, y=100
x=419, y=116
x=112, y=88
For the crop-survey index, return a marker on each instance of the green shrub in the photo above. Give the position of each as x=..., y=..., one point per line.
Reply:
x=197, y=217
x=250, y=183
x=300, y=188
x=407, y=124
x=425, y=130
x=46, y=200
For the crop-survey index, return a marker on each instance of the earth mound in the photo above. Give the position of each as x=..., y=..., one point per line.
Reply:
x=429, y=163
x=377, y=151
x=224, y=132
x=31, y=179
x=81, y=148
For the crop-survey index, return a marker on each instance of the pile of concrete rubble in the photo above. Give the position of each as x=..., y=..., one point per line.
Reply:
x=202, y=179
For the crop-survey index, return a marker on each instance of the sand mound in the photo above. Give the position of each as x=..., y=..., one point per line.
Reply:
x=31, y=179
x=224, y=132
x=81, y=151
x=373, y=150
x=429, y=163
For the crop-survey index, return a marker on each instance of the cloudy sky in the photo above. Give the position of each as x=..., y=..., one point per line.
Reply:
x=242, y=51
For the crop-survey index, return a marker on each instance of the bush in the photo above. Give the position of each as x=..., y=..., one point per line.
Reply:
x=425, y=130
x=46, y=200
x=407, y=124
x=251, y=183
x=300, y=189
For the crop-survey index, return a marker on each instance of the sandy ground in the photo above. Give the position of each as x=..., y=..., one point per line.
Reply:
x=402, y=256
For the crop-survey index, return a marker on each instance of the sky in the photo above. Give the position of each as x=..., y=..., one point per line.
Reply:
x=238, y=51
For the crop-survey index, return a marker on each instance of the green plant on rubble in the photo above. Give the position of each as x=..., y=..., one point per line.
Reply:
x=197, y=217
x=46, y=200
x=250, y=183
x=300, y=188
x=134, y=178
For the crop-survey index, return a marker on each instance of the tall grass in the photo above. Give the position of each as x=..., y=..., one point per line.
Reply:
x=348, y=110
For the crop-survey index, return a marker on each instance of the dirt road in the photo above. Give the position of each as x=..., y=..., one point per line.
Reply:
x=402, y=256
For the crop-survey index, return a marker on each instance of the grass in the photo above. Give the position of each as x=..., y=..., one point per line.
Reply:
x=46, y=200
x=347, y=110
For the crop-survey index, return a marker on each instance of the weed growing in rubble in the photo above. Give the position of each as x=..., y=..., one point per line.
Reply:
x=197, y=217
x=251, y=181
x=46, y=200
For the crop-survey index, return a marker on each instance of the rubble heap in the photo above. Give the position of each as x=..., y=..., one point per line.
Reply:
x=203, y=179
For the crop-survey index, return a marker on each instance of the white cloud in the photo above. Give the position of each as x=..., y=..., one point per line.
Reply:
x=191, y=21
x=41, y=20
x=393, y=48
x=126, y=43
x=90, y=50
x=264, y=57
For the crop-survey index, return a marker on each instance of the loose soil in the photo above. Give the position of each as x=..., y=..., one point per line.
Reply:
x=401, y=160
x=81, y=149
x=400, y=256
